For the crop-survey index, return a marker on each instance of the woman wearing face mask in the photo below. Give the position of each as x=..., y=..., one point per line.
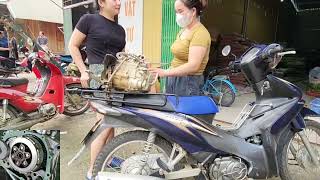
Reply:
x=190, y=50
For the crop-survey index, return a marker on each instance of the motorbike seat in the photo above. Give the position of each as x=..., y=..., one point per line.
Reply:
x=191, y=105
x=12, y=81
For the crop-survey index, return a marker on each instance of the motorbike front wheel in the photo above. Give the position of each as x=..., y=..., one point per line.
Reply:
x=295, y=162
x=74, y=104
x=124, y=153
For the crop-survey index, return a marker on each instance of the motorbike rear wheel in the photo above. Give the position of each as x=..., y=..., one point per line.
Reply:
x=74, y=104
x=135, y=140
x=294, y=160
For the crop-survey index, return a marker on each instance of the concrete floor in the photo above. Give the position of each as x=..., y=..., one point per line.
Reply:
x=74, y=129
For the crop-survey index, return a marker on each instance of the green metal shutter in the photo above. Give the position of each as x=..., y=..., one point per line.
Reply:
x=169, y=33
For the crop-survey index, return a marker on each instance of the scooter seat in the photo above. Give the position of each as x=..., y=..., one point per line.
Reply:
x=12, y=81
x=191, y=105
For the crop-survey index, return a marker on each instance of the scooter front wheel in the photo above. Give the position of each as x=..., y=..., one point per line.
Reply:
x=74, y=104
x=295, y=161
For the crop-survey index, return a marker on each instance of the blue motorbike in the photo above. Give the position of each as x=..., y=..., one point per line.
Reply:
x=173, y=137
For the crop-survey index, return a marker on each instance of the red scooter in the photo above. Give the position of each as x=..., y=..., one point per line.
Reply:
x=22, y=109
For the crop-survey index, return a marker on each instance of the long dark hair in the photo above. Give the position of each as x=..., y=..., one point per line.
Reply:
x=97, y=4
x=198, y=4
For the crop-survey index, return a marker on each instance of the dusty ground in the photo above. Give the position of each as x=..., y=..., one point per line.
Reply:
x=73, y=130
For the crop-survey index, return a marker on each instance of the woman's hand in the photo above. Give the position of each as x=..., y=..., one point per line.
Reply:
x=159, y=71
x=84, y=79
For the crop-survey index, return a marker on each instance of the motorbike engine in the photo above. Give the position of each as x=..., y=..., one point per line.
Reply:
x=48, y=110
x=30, y=154
x=72, y=70
x=130, y=74
x=228, y=168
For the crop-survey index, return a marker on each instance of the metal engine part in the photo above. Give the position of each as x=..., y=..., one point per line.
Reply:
x=130, y=74
x=73, y=70
x=31, y=155
x=228, y=168
x=48, y=109
x=4, y=150
x=133, y=165
x=26, y=154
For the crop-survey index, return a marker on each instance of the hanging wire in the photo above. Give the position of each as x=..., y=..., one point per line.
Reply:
x=56, y=4
x=298, y=9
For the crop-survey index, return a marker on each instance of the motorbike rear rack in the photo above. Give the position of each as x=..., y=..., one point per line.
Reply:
x=118, y=98
x=244, y=114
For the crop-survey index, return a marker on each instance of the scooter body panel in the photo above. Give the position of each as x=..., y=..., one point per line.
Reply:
x=257, y=139
x=54, y=91
x=20, y=100
x=71, y=80
x=50, y=89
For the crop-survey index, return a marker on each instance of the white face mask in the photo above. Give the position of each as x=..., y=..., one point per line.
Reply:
x=183, y=20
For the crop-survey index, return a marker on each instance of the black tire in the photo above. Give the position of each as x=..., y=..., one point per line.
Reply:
x=83, y=108
x=10, y=111
x=284, y=149
x=228, y=96
x=125, y=138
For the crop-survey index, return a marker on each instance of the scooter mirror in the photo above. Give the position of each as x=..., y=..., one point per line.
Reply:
x=226, y=50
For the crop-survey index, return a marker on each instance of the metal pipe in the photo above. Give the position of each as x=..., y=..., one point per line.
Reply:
x=245, y=17
x=79, y=4
x=277, y=25
x=295, y=5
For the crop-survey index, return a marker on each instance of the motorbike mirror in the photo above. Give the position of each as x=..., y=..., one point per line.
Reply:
x=226, y=50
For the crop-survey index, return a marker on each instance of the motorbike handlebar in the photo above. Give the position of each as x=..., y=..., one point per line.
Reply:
x=271, y=52
x=286, y=52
